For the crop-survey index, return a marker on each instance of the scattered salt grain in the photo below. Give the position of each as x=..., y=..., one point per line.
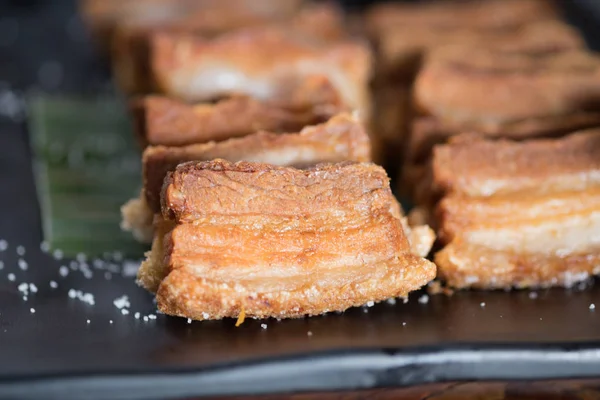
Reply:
x=365, y=310
x=130, y=268
x=111, y=321
x=53, y=284
x=21, y=250
x=391, y=301
x=533, y=295
x=3, y=245
x=63, y=271
x=370, y=303
x=124, y=311
x=58, y=254
x=73, y=265
x=32, y=310
x=309, y=333
x=45, y=246
x=152, y=316
x=146, y=319
x=122, y=302
x=88, y=321
x=592, y=306
x=482, y=304
x=137, y=315
x=33, y=288
x=23, y=288
x=22, y=264
x=189, y=320
x=11, y=277
x=81, y=296
x=404, y=300
x=264, y=326
x=81, y=257
x=205, y=315
x=404, y=324
x=424, y=299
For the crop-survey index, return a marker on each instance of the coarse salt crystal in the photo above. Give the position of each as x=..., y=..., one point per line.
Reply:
x=21, y=250
x=482, y=304
x=205, y=315
x=63, y=271
x=592, y=306
x=45, y=246
x=81, y=257
x=32, y=310
x=404, y=324
x=88, y=321
x=33, y=288
x=152, y=316
x=22, y=264
x=3, y=245
x=124, y=311
x=264, y=326
x=145, y=318
x=189, y=320
x=72, y=293
x=23, y=287
x=309, y=333
x=53, y=284
x=111, y=321
x=11, y=277
x=57, y=254
x=533, y=295
x=122, y=302
x=391, y=301
x=424, y=299
x=137, y=315
x=370, y=303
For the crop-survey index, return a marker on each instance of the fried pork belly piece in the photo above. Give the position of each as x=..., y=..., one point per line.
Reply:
x=401, y=49
x=105, y=17
x=264, y=241
x=518, y=214
x=259, y=63
x=487, y=90
x=164, y=121
x=130, y=48
x=472, y=14
x=342, y=138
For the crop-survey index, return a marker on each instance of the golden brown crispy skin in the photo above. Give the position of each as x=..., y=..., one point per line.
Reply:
x=489, y=89
x=280, y=242
x=104, y=17
x=260, y=63
x=130, y=44
x=401, y=48
x=518, y=213
x=164, y=121
x=472, y=14
x=341, y=138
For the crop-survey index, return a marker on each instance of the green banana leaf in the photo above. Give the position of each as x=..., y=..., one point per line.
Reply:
x=86, y=165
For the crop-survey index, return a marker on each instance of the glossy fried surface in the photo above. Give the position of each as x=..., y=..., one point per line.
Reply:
x=164, y=121
x=268, y=241
x=518, y=214
x=260, y=63
x=404, y=45
x=471, y=14
x=486, y=89
x=130, y=42
x=339, y=139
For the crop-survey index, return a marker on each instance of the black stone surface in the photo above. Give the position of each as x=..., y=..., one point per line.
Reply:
x=54, y=353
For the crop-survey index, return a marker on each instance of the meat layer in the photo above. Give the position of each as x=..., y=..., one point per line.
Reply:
x=518, y=214
x=265, y=241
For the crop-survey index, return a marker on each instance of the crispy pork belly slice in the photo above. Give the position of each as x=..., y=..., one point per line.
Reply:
x=130, y=44
x=518, y=214
x=264, y=241
x=481, y=88
x=105, y=17
x=483, y=168
x=400, y=49
x=473, y=14
x=341, y=138
x=164, y=121
x=260, y=63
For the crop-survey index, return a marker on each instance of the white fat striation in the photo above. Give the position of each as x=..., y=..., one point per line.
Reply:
x=563, y=235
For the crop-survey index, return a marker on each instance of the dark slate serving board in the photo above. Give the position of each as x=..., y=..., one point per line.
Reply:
x=53, y=352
